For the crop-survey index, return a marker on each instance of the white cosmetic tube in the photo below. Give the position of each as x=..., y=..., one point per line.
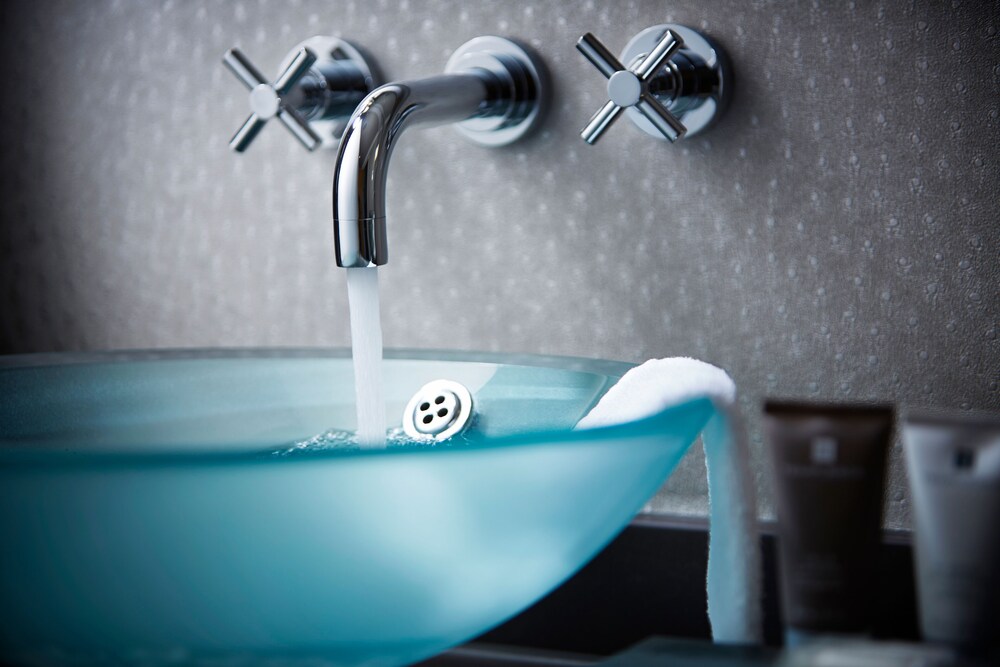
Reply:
x=953, y=463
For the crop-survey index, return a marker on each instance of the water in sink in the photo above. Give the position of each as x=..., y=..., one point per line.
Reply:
x=366, y=348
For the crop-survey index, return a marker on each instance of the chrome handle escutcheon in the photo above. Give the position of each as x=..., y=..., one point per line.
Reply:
x=675, y=82
x=323, y=79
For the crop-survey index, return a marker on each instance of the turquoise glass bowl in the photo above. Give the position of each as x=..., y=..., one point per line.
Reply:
x=148, y=515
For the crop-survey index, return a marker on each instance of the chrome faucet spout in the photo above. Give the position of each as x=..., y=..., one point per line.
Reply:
x=371, y=135
x=491, y=88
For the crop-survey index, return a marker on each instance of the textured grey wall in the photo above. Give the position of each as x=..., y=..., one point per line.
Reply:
x=835, y=237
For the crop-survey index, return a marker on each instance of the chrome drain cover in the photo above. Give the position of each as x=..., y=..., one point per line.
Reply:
x=439, y=410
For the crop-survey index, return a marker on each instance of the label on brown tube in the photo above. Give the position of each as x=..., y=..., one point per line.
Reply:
x=829, y=464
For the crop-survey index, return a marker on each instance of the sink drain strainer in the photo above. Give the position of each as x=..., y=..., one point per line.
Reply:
x=439, y=410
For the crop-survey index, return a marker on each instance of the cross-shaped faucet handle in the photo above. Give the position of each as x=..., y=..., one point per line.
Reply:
x=267, y=100
x=628, y=87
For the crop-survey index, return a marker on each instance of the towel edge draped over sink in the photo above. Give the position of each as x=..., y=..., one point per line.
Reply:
x=734, y=559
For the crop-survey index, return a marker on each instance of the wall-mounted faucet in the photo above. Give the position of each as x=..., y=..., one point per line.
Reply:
x=492, y=88
x=675, y=82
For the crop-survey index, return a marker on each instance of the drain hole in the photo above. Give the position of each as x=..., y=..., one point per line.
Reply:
x=438, y=411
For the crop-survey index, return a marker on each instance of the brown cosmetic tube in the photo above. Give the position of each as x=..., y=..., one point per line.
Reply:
x=829, y=471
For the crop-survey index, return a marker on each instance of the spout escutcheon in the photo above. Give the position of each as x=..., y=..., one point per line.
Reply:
x=518, y=95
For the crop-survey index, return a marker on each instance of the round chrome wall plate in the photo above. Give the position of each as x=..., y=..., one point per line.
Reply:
x=334, y=58
x=521, y=76
x=698, y=108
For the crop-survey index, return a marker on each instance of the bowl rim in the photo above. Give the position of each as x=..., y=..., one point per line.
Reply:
x=584, y=364
x=611, y=370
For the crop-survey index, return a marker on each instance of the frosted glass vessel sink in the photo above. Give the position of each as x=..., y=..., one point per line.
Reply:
x=145, y=514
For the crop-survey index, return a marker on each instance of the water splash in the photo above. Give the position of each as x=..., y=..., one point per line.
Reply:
x=348, y=441
x=328, y=440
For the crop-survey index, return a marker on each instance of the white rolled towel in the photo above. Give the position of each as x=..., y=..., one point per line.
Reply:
x=734, y=561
